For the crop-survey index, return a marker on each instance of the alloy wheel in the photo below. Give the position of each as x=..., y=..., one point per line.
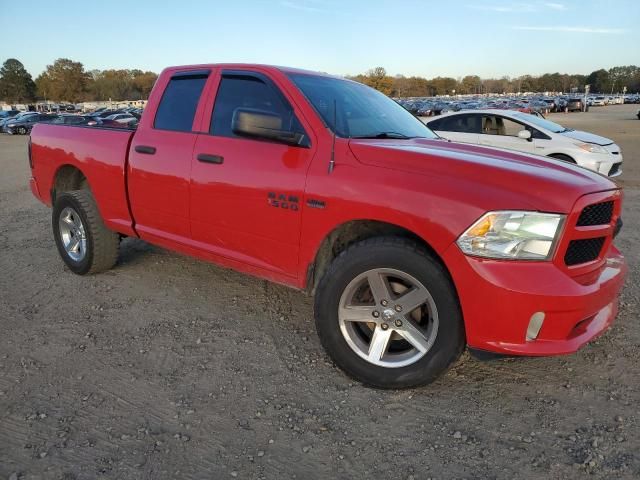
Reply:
x=388, y=317
x=72, y=234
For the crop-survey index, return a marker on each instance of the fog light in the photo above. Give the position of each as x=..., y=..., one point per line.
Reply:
x=535, y=324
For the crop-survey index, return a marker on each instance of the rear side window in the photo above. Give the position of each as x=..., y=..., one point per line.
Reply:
x=179, y=103
x=238, y=91
x=457, y=123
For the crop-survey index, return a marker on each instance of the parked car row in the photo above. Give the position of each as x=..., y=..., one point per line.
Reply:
x=21, y=123
x=427, y=107
x=431, y=106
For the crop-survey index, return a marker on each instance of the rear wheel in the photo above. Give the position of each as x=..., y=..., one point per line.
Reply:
x=83, y=241
x=388, y=315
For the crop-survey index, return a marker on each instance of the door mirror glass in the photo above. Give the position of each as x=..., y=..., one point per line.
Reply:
x=524, y=134
x=263, y=124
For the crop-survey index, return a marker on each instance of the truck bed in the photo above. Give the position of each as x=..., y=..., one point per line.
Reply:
x=100, y=153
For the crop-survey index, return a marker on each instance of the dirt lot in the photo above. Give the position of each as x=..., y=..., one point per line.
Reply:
x=166, y=367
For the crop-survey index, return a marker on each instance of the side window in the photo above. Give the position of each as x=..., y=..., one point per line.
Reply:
x=179, y=103
x=460, y=124
x=510, y=127
x=489, y=125
x=249, y=92
x=537, y=134
x=435, y=125
x=496, y=125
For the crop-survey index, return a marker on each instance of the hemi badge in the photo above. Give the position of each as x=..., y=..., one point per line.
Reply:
x=313, y=203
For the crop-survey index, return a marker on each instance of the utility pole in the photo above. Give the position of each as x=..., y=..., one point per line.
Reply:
x=586, y=94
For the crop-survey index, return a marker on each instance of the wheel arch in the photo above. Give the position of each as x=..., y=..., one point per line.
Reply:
x=562, y=156
x=67, y=178
x=352, y=231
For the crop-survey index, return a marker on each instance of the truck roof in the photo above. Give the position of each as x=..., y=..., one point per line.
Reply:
x=247, y=65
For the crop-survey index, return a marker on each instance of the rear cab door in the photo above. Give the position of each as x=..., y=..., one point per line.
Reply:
x=246, y=193
x=159, y=169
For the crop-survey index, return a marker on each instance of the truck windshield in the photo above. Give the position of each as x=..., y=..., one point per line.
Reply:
x=359, y=111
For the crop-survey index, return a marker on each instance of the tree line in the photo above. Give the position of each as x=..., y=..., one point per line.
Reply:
x=68, y=81
x=601, y=81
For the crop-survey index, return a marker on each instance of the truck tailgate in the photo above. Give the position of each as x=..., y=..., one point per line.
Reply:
x=99, y=153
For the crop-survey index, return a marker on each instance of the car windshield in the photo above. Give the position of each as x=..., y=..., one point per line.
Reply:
x=541, y=122
x=359, y=111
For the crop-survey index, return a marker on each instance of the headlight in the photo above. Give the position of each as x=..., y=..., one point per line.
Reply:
x=513, y=235
x=591, y=147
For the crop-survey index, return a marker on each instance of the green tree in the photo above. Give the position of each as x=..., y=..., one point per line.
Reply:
x=409, y=86
x=471, y=84
x=443, y=86
x=16, y=84
x=378, y=79
x=624, y=76
x=120, y=84
x=64, y=80
x=144, y=82
x=599, y=81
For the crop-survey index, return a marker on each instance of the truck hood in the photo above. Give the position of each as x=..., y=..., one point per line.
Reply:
x=587, y=137
x=494, y=175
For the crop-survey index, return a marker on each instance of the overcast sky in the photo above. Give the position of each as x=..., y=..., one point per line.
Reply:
x=412, y=37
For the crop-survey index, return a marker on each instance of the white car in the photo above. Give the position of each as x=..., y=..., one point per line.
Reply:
x=598, y=101
x=121, y=118
x=528, y=133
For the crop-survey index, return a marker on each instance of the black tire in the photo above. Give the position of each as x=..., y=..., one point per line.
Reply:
x=22, y=130
x=102, y=244
x=564, y=158
x=405, y=256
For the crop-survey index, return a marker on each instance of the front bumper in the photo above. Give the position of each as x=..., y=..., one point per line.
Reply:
x=607, y=164
x=498, y=299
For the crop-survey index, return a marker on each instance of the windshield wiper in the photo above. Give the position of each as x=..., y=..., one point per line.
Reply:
x=395, y=135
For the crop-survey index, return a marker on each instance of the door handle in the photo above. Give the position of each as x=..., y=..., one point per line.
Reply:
x=208, y=158
x=145, y=149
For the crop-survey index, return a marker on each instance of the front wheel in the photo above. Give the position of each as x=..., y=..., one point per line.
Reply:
x=22, y=130
x=84, y=242
x=388, y=315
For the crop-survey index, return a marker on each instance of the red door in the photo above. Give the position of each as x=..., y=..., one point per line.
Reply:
x=160, y=159
x=246, y=193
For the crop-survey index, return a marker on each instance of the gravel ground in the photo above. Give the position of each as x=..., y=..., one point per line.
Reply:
x=167, y=367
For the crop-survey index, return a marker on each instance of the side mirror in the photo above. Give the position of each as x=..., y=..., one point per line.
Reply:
x=250, y=122
x=525, y=135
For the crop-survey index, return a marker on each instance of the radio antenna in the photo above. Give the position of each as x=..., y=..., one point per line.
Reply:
x=332, y=162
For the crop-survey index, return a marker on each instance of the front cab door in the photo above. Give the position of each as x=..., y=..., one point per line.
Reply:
x=246, y=192
x=502, y=132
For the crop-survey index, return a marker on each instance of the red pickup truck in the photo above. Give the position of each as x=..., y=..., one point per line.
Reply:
x=413, y=246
